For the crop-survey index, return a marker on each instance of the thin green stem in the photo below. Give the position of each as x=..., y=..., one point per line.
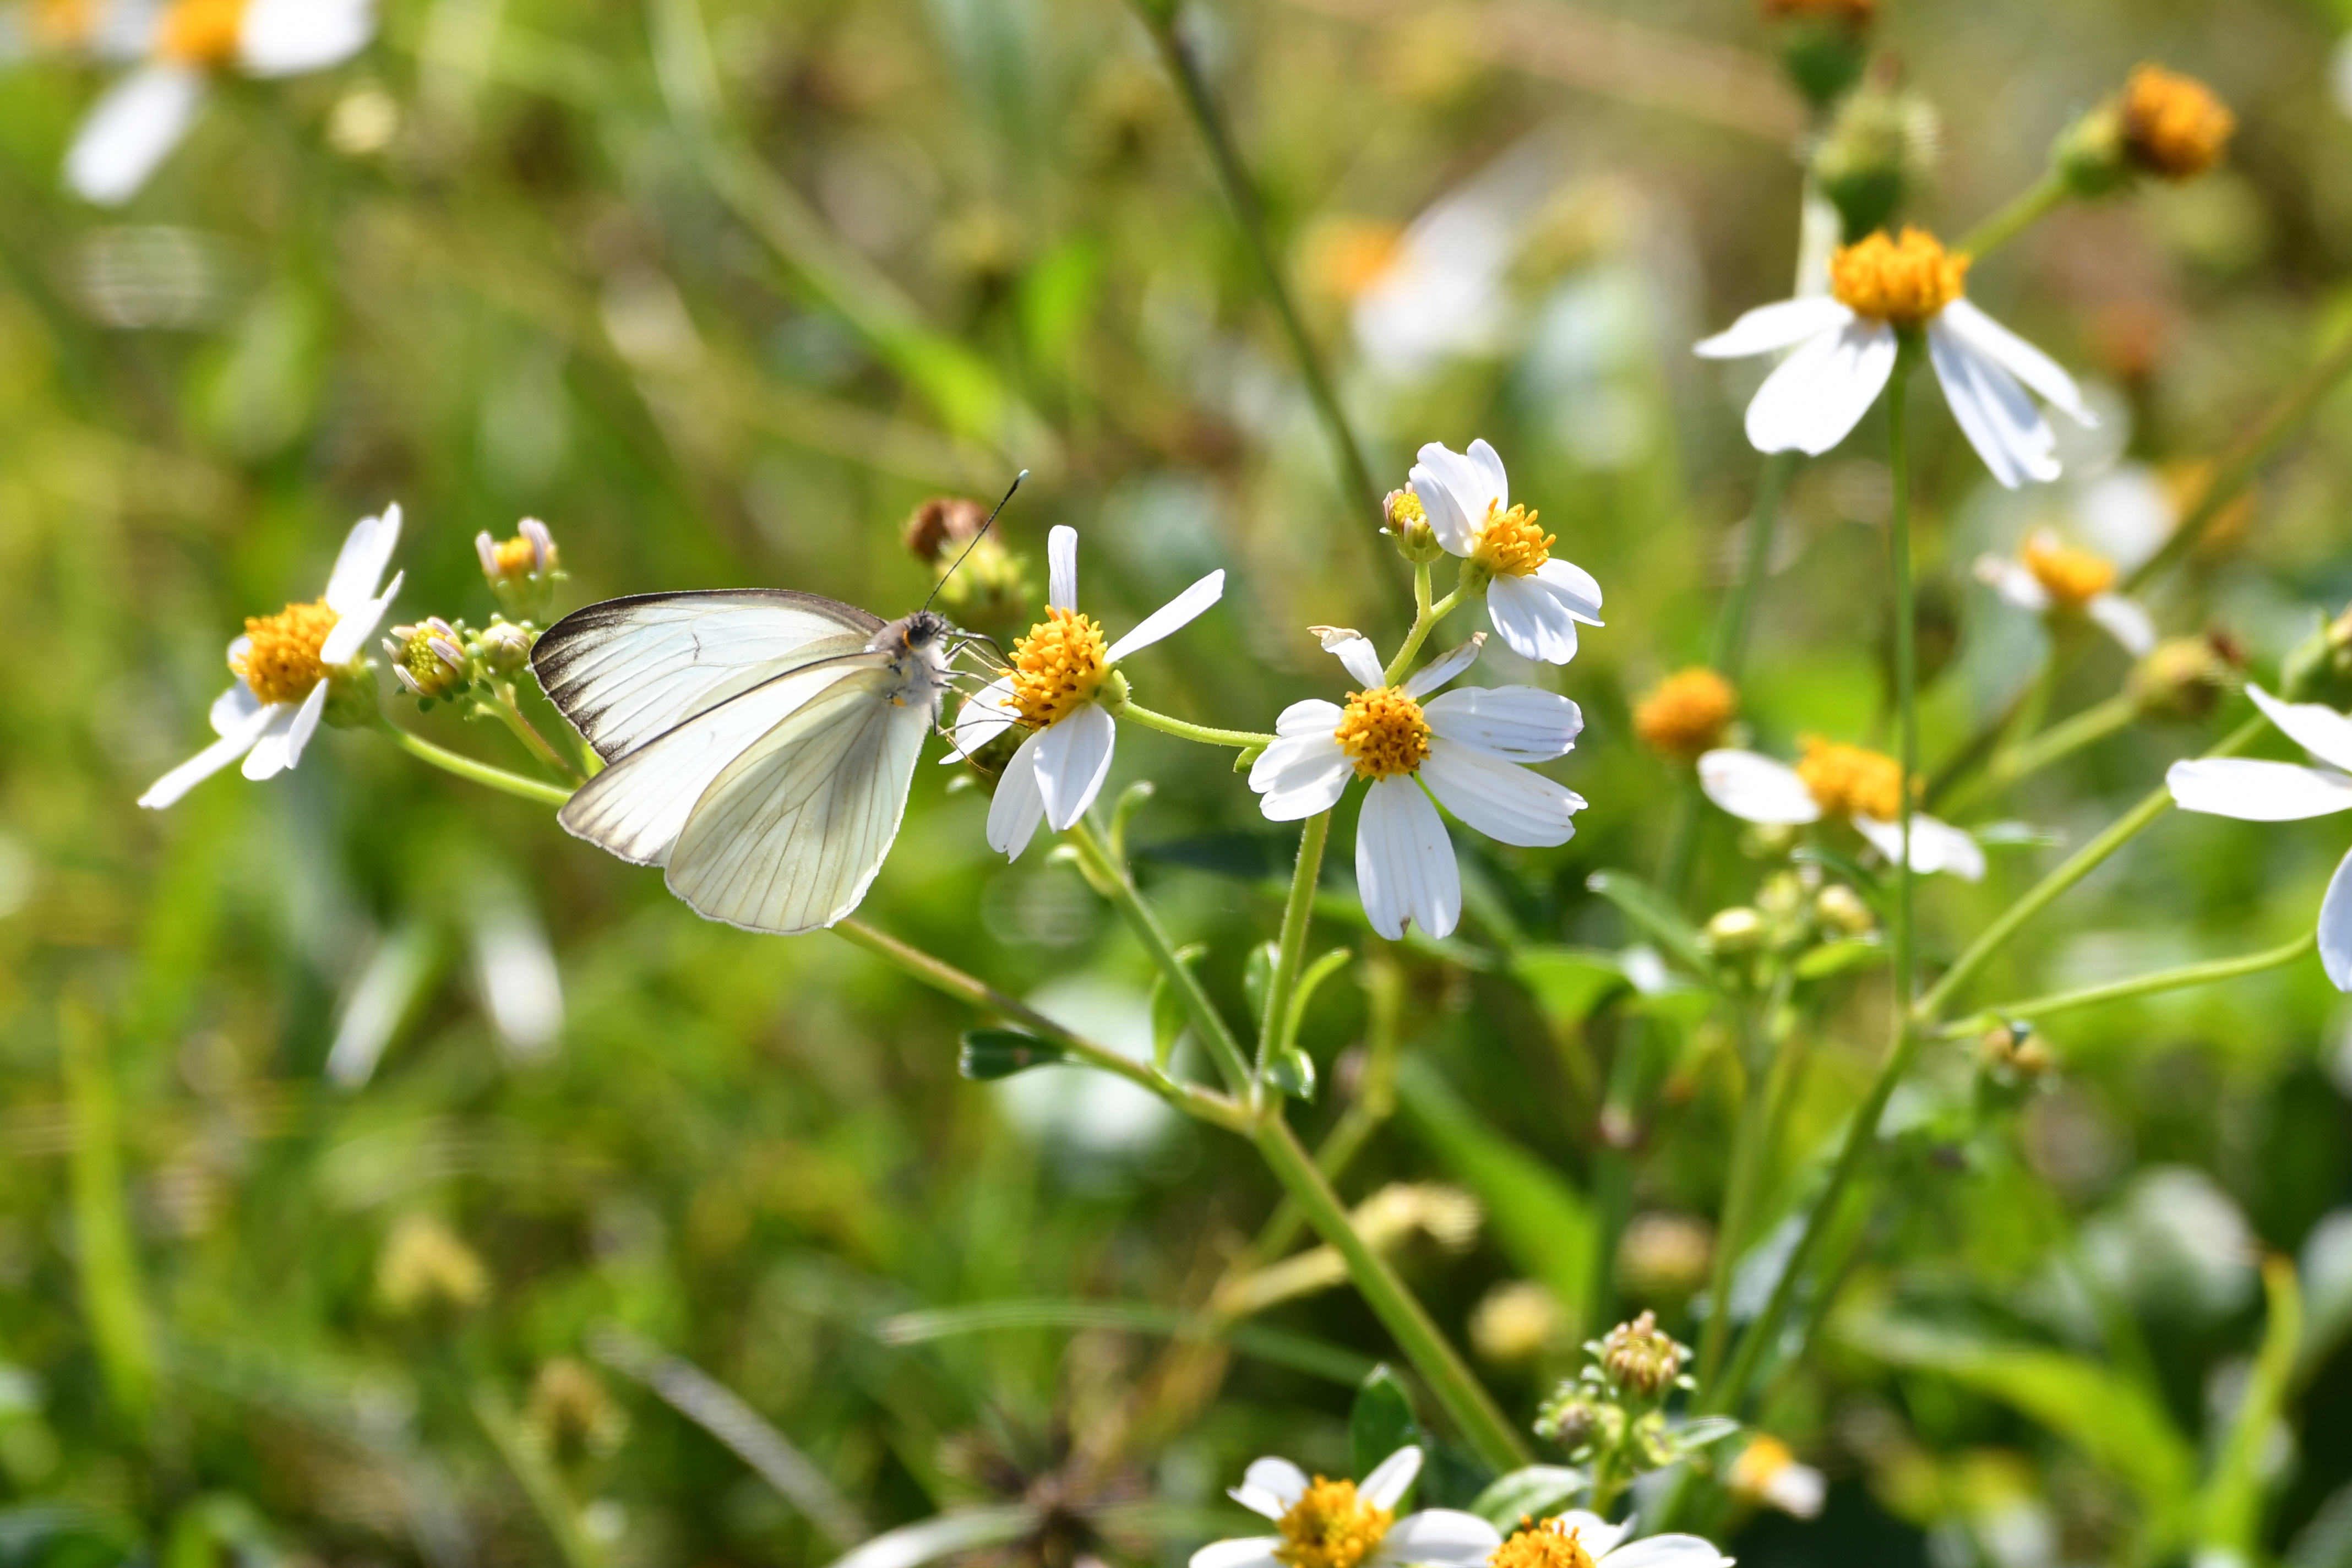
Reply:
x=2210, y=973
x=1425, y=618
x=1739, y=1195
x=1733, y=627
x=2061, y=741
x=1239, y=740
x=1473, y=1411
x=510, y=714
x=2029, y=206
x=1298, y=914
x=1374, y=1103
x=473, y=772
x=1241, y=195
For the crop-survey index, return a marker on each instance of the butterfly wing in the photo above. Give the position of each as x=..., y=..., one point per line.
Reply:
x=790, y=834
x=627, y=670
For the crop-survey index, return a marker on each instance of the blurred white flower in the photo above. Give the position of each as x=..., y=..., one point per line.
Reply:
x=1466, y=749
x=1439, y=290
x=1332, y=1522
x=2050, y=576
x=1767, y=1473
x=138, y=123
x=2254, y=791
x=1845, y=352
x=1059, y=671
x=515, y=968
x=2176, y=1245
x=1079, y=1110
x=93, y=30
x=1535, y=599
x=1833, y=781
x=286, y=663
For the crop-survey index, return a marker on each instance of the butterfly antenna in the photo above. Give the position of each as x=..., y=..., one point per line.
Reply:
x=975, y=539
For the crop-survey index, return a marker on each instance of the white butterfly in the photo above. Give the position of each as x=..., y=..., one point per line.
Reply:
x=759, y=741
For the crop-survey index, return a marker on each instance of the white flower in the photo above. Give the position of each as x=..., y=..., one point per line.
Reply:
x=1767, y=1472
x=94, y=29
x=1353, y=1524
x=1465, y=748
x=1588, y=1537
x=1846, y=350
x=285, y=663
x=1055, y=687
x=1837, y=781
x=2050, y=575
x=1439, y=290
x=2283, y=791
x=1535, y=600
x=142, y=117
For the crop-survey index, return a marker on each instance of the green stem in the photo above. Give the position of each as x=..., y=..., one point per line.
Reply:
x=1424, y=620
x=1748, y=1145
x=1159, y=17
x=106, y=1259
x=2188, y=975
x=510, y=714
x=1298, y=913
x=1731, y=630
x=2026, y=208
x=468, y=769
x=1374, y=1103
x=1240, y=740
x=2061, y=740
x=1473, y=1411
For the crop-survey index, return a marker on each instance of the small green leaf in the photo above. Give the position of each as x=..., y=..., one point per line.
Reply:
x=1841, y=958
x=990, y=1053
x=1168, y=1020
x=1569, y=983
x=1534, y=1492
x=1650, y=909
x=1292, y=1072
x=1381, y=1422
x=1257, y=975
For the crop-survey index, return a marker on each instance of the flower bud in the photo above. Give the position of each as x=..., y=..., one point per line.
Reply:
x=522, y=571
x=1735, y=931
x=505, y=646
x=1823, y=43
x=571, y=1416
x=1685, y=716
x=424, y=1267
x=1877, y=155
x=2162, y=124
x=1665, y=1256
x=2185, y=677
x=2015, y=1049
x=983, y=585
x=1841, y=910
x=1517, y=1323
x=1407, y=523
x=1641, y=1359
x=429, y=660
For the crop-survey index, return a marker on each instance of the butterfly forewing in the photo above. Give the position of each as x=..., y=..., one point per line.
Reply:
x=626, y=670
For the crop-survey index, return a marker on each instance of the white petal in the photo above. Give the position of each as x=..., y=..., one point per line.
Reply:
x=2124, y=621
x=1394, y=1476
x=1173, y=617
x=1404, y=863
x=1258, y=1553
x=1452, y=491
x=133, y=128
x=1300, y=776
x=1935, y=845
x=1819, y=393
x=351, y=633
x=1504, y=801
x=1668, y=1552
x=1755, y=788
x=268, y=759
x=1312, y=717
x=1574, y=586
x=1768, y=328
x=2000, y=421
x=1444, y=668
x=1592, y=1533
x=1536, y=625
x=2022, y=360
x=1354, y=651
x=285, y=37
x=233, y=709
x=2257, y=791
x=234, y=742
x=1062, y=568
x=1441, y=1538
x=2126, y=514
x=1487, y=464
x=1516, y=723
x=2012, y=582
x=981, y=720
x=2323, y=732
x=2336, y=926
x=1277, y=1480
x=1073, y=759
x=359, y=565
x=306, y=723
x=1798, y=1490
x=1019, y=807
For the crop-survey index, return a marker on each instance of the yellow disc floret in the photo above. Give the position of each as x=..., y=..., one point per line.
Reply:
x=1331, y=1527
x=201, y=32
x=1057, y=668
x=62, y=24
x=1847, y=781
x=1511, y=545
x=1905, y=281
x=280, y=660
x=1685, y=714
x=1384, y=733
x=2173, y=125
x=1554, y=1543
x=2070, y=575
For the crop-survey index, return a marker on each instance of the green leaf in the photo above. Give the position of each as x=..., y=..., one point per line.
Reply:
x=1382, y=1421
x=2230, y=1513
x=1257, y=974
x=1292, y=1072
x=1568, y=983
x=1654, y=914
x=1841, y=958
x=1532, y=1493
x=1539, y=1219
x=1168, y=1020
x=990, y=1053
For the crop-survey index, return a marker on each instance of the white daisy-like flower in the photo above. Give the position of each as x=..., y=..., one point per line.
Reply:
x=1468, y=748
x=93, y=30
x=1846, y=350
x=2050, y=575
x=1834, y=782
x=1339, y=1524
x=1439, y=290
x=1767, y=1473
x=286, y=664
x=1576, y=1539
x=142, y=117
x=2254, y=791
x=1056, y=687
x=1535, y=599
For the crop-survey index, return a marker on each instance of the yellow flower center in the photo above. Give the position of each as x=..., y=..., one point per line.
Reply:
x=1904, y=281
x=1554, y=1543
x=2071, y=575
x=1331, y=1527
x=1762, y=1460
x=516, y=557
x=1057, y=668
x=1511, y=545
x=1685, y=714
x=280, y=661
x=1384, y=734
x=1847, y=781
x=1348, y=256
x=2173, y=124
x=202, y=32
x=61, y=24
